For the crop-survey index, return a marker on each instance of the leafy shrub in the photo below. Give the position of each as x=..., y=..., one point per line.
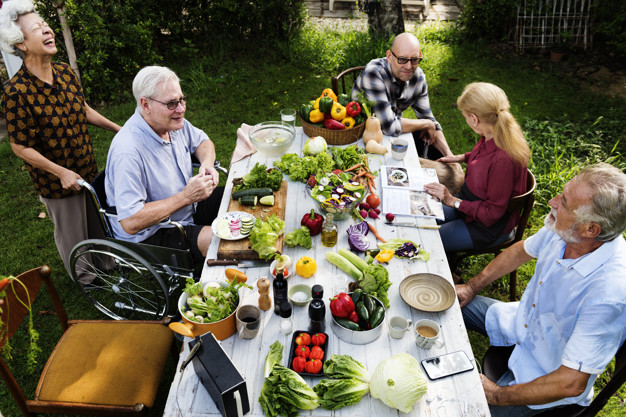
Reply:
x=488, y=20
x=610, y=20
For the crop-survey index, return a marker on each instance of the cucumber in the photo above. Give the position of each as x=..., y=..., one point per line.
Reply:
x=361, y=311
x=267, y=200
x=345, y=265
x=350, y=325
x=369, y=303
x=353, y=258
x=258, y=192
x=248, y=200
x=377, y=317
x=356, y=295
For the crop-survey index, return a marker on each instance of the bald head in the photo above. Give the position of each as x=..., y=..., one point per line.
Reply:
x=404, y=46
x=405, y=41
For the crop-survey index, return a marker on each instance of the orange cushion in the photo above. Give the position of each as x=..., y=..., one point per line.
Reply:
x=109, y=362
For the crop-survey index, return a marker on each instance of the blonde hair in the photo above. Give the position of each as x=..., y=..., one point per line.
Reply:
x=490, y=104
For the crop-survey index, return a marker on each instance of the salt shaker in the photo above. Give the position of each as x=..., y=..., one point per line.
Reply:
x=285, y=317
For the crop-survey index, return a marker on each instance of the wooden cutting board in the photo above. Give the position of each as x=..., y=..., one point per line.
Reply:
x=241, y=249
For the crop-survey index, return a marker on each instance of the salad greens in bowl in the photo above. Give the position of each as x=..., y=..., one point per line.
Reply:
x=336, y=193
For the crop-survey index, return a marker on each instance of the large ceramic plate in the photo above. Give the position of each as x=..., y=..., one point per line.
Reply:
x=221, y=226
x=427, y=292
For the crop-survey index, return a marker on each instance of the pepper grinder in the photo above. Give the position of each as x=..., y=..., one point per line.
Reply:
x=317, y=310
x=265, y=302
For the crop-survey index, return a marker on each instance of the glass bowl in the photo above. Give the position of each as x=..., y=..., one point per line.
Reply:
x=340, y=212
x=272, y=138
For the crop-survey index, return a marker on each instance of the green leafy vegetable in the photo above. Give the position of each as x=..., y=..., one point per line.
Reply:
x=404, y=248
x=301, y=236
x=284, y=392
x=259, y=177
x=300, y=169
x=398, y=382
x=213, y=303
x=264, y=234
x=347, y=157
x=336, y=393
x=274, y=356
x=345, y=366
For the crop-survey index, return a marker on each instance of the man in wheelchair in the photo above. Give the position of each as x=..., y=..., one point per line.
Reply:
x=149, y=174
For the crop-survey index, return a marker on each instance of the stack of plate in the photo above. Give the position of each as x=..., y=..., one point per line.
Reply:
x=246, y=225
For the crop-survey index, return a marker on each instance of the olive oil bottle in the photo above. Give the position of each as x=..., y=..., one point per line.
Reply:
x=329, y=232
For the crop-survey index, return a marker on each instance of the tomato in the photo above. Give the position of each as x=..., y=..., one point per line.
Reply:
x=336, y=171
x=303, y=351
x=303, y=339
x=372, y=200
x=298, y=364
x=316, y=353
x=314, y=366
x=311, y=181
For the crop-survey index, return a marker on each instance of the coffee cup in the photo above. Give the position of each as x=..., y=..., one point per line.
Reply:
x=399, y=147
x=248, y=318
x=427, y=334
x=398, y=326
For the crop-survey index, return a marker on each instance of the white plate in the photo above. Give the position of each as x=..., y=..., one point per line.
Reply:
x=220, y=230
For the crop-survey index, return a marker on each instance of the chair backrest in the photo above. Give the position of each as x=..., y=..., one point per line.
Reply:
x=617, y=380
x=354, y=71
x=523, y=204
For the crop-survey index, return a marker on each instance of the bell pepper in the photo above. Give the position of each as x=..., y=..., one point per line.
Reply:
x=316, y=103
x=313, y=222
x=353, y=109
x=328, y=92
x=303, y=351
x=341, y=305
x=314, y=366
x=353, y=317
x=326, y=104
x=305, y=110
x=306, y=267
x=298, y=364
x=316, y=353
x=384, y=255
x=318, y=339
x=338, y=112
x=303, y=339
x=316, y=116
x=360, y=119
x=333, y=124
x=343, y=99
x=348, y=122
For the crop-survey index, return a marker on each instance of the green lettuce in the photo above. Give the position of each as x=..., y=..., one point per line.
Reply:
x=345, y=366
x=284, y=392
x=264, y=235
x=259, y=177
x=376, y=282
x=347, y=157
x=336, y=393
x=274, y=356
x=300, y=169
x=398, y=382
x=301, y=236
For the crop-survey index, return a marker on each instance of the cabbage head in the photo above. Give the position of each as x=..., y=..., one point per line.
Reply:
x=398, y=382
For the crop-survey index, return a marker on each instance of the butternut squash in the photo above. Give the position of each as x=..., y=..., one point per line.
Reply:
x=372, y=130
x=372, y=146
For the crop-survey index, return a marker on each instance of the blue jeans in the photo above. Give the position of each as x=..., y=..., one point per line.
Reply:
x=454, y=233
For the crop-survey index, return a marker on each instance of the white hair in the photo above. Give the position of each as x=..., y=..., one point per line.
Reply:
x=10, y=32
x=149, y=79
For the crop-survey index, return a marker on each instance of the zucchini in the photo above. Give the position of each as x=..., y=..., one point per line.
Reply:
x=267, y=200
x=370, y=304
x=353, y=258
x=362, y=312
x=345, y=265
x=350, y=325
x=258, y=192
x=356, y=295
x=248, y=200
x=377, y=317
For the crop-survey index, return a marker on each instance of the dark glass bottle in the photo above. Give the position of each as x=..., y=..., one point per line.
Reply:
x=280, y=287
x=317, y=314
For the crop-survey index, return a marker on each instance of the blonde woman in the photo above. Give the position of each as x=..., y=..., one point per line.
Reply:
x=496, y=171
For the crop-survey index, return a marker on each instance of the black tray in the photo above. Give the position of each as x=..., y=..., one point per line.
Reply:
x=292, y=353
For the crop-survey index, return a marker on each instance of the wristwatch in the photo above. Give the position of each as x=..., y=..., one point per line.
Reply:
x=457, y=204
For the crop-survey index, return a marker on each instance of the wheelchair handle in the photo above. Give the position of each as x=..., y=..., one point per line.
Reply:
x=80, y=182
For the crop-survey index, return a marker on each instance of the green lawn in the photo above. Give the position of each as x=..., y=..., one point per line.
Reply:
x=566, y=124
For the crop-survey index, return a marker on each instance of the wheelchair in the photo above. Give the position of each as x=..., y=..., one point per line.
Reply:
x=130, y=281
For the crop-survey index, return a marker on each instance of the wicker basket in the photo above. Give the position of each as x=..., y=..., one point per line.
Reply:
x=333, y=137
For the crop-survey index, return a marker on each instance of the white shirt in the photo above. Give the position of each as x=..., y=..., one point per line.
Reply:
x=572, y=313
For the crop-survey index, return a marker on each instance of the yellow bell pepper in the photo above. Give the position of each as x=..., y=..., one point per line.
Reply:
x=316, y=103
x=348, y=122
x=384, y=255
x=338, y=112
x=316, y=116
x=306, y=267
x=328, y=92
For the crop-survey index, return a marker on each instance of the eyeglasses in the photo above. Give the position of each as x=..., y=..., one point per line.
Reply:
x=172, y=105
x=402, y=61
x=39, y=26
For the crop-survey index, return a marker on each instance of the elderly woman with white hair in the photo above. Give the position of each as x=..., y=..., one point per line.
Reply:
x=47, y=116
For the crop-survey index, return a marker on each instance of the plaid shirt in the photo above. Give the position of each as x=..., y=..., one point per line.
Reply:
x=52, y=120
x=393, y=97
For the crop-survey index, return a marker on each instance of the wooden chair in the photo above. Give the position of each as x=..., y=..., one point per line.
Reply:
x=495, y=364
x=523, y=204
x=334, y=81
x=103, y=368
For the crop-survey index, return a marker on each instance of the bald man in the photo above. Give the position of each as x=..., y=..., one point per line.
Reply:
x=396, y=83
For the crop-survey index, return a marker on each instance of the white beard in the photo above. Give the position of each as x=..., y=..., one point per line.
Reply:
x=568, y=236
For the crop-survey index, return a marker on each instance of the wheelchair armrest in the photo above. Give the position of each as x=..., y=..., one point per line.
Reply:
x=181, y=229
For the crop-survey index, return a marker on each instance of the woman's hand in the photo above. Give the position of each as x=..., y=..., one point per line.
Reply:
x=452, y=158
x=69, y=180
x=441, y=192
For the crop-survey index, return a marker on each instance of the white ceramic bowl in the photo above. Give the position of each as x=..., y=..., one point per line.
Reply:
x=304, y=288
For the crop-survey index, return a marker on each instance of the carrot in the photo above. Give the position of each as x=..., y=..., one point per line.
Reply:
x=375, y=232
x=353, y=167
x=370, y=185
x=4, y=283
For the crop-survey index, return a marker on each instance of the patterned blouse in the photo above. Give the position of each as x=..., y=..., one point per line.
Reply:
x=52, y=120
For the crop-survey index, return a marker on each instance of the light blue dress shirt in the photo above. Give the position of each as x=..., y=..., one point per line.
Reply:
x=572, y=313
x=142, y=167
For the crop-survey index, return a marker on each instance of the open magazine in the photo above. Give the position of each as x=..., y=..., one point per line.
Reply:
x=403, y=192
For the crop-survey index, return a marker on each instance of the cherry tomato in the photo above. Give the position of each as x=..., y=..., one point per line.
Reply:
x=372, y=200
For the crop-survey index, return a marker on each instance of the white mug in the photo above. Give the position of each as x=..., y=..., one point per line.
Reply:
x=399, y=147
x=427, y=334
x=248, y=321
x=398, y=326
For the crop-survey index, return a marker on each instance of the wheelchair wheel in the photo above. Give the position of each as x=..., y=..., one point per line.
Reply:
x=124, y=286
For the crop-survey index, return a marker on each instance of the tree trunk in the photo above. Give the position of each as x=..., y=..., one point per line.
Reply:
x=384, y=17
x=69, y=41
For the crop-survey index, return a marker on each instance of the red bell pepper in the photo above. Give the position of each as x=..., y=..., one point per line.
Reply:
x=353, y=109
x=333, y=124
x=316, y=353
x=353, y=316
x=341, y=305
x=313, y=222
x=318, y=339
x=314, y=366
x=303, y=339
x=303, y=351
x=298, y=364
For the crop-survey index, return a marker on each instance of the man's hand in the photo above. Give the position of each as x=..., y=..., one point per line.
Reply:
x=69, y=180
x=429, y=133
x=212, y=172
x=465, y=293
x=199, y=187
x=491, y=389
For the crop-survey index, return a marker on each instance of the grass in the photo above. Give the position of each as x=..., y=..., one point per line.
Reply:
x=566, y=124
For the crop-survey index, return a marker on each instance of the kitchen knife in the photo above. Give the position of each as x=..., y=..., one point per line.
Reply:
x=413, y=224
x=238, y=263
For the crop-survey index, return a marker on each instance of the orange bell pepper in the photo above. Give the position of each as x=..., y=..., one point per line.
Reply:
x=328, y=92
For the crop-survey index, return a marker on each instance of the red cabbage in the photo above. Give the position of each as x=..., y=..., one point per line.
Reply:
x=358, y=242
x=361, y=228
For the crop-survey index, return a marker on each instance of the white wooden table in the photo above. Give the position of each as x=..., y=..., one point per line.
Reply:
x=459, y=395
